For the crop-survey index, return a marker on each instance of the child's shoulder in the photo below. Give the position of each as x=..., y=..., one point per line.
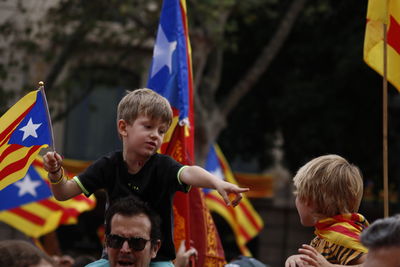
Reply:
x=162, y=161
x=157, y=157
x=111, y=158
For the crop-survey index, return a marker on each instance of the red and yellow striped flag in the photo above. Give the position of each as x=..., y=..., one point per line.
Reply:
x=24, y=131
x=383, y=12
x=243, y=219
x=41, y=217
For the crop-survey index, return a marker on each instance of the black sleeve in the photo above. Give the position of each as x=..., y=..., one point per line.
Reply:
x=95, y=176
x=171, y=168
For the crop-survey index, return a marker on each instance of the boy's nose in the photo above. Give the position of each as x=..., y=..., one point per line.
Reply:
x=154, y=134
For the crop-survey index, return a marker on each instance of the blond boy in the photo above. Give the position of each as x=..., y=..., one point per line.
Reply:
x=328, y=194
x=143, y=119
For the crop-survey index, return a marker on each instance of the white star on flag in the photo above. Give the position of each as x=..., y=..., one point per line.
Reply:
x=162, y=52
x=26, y=185
x=30, y=129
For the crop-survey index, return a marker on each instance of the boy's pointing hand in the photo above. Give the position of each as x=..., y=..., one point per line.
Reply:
x=231, y=193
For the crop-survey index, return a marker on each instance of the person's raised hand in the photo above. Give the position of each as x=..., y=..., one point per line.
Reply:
x=313, y=257
x=52, y=162
x=183, y=256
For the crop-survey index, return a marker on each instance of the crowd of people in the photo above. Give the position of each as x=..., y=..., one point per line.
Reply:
x=140, y=185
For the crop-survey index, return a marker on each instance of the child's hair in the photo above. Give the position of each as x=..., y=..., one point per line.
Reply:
x=331, y=184
x=20, y=253
x=144, y=102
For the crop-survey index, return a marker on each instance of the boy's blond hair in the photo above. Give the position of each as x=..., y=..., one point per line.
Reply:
x=144, y=102
x=330, y=184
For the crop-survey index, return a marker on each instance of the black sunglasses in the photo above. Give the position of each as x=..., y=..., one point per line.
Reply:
x=135, y=243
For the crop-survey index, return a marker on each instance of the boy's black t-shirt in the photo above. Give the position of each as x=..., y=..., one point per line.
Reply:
x=156, y=183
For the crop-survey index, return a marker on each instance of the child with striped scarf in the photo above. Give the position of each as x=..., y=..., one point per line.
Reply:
x=328, y=194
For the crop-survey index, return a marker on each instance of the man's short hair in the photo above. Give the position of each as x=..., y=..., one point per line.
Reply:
x=331, y=184
x=144, y=102
x=132, y=206
x=382, y=233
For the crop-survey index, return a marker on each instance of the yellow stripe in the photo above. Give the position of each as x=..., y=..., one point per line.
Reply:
x=17, y=155
x=16, y=110
x=15, y=176
x=3, y=148
x=377, y=10
x=171, y=129
x=224, y=213
x=394, y=9
x=28, y=228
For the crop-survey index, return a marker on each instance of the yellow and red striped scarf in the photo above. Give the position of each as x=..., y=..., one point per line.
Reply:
x=343, y=230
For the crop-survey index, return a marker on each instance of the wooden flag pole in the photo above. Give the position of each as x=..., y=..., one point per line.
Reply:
x=41, y=88
x=385, y=127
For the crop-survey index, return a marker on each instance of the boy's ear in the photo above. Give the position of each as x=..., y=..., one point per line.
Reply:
x=122, y=127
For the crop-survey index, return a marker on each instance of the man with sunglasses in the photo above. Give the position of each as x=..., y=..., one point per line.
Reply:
x=132, y=234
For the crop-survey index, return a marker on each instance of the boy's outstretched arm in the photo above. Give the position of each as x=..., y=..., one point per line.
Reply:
x=199, y=177
x=62, y=188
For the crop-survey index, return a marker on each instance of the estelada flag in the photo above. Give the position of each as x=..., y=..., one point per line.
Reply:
x=171, y=76
x=244, y=220
x=383, y=12
x=24, y=131
x=29, y=206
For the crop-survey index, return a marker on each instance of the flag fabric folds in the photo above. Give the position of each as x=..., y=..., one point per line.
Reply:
x=24, y=131
x=243, y=219
x=383, y=12
x=171, y=76
x=33, y=210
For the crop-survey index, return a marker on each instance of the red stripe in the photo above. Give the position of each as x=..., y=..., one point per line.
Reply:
x=66, y=211
x=345, y=231
x=221, y=202
x=53, y=205
x=84, y=199
x=33, y=218
x=10, y=149
x=19, y=164
x=393, y=35
x=244, y=233
x=11, y=127
x=38, y=163
x=249, y=215
x=64, y=218
x=50, y=204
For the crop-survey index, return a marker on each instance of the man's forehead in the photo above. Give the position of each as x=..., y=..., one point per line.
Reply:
x=138, y=221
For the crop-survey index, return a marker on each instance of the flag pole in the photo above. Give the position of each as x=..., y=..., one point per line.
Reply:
x=385, y=127
x=41, y=88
